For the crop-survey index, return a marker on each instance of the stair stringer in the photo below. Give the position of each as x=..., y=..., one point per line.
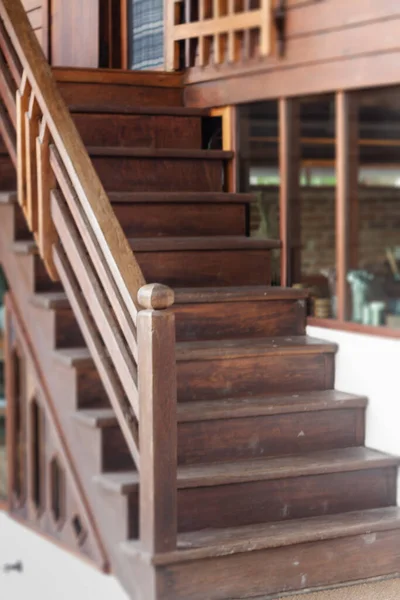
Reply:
x=60, y=381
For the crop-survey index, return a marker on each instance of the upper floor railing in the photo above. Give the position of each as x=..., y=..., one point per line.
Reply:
x=206, y=32
x=82, y=243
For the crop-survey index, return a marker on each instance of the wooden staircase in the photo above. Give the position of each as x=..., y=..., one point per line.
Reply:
x=260, y=483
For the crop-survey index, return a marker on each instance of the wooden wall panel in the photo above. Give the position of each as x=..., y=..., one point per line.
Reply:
x=38, y=14
x=330, y=44
x=75, y=33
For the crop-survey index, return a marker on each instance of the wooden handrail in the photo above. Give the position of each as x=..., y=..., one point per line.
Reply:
x=87, y=185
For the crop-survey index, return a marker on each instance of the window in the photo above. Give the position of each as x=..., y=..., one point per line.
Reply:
x=325, y=172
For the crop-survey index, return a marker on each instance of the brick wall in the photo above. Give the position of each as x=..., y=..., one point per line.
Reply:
x=379, y=224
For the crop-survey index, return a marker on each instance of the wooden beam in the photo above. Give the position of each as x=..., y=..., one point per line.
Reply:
x=347, y=225
x=290, y=207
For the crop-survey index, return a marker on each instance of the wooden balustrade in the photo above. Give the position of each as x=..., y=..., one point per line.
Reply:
x=82, y=243
x=205, y=32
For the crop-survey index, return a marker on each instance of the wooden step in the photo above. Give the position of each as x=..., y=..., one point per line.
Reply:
x=179, y=197
x=201, y=243
x=219, y=260
x=151, y=129
x=88, y=388
x=246, y=428
x=242, y=428
x=25, y=247
x=155, y=170
x=8, y=197
x=66, y=329
x=50, y=300
x=267, y=560
x=155, y=219
x=255, y=491
x=86, y=92
x=241, y=311
x=113, y=451
x=277, y=404
x=217, y=369
x=79, y=358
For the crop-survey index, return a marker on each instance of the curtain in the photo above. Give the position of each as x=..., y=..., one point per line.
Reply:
x=147, y=31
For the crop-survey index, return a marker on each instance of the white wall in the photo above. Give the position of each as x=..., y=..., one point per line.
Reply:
x=370, y=366
x=49, y=573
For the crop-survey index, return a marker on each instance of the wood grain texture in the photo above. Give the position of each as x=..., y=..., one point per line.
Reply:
x=155, y=131
x=158, y=431
x=307, y=566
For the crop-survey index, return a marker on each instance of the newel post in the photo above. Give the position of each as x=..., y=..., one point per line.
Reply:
x=157, y=419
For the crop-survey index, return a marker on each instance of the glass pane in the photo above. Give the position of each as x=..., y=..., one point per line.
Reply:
x=374, y=273
x=259, y=171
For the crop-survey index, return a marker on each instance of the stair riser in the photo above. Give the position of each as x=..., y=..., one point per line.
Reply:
x=263, y=436
x=115, y=452
x=240, y=319
x=239, y=504
x=206, y=268
x=21, y=230
x=119, y=174
x=68, y=334
x=153, y=220
x=118, y=97
x=90, y=392
x=145, y=131
x=252, y=376
x=8, y=176
x=43, y=283
x=252, y=574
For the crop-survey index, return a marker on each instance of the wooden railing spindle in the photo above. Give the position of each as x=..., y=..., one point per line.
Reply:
x=32, y=124
x=46, y=180
x=22, y=104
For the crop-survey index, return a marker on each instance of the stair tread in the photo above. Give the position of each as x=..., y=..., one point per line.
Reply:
x=50, y=300
x=177, y=197
x=239, y=407
x=268, y=405
x=263, y=469
x=237, y=294
x=8, y=197
x=250, y=538
x=96, y=418
x=164, y=111
x=231, y=348
x=73, y=357
x=163, y=153
x=219, y=242
x=25, y=247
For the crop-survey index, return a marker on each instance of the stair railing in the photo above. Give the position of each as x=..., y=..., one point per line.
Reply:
x=82, y=243
x=204, y=33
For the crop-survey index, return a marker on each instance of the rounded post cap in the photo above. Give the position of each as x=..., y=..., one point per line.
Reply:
x=156, y=296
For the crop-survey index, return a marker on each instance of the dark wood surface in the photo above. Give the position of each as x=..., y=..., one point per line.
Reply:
x=234, y=425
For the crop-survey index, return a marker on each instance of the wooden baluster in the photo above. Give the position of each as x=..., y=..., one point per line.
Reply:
x=47, y=234
x=266, y=27
x=158, y=420
x=23, y=95
x=32, y=124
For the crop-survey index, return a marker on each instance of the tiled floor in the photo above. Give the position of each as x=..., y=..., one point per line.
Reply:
x=383, y=590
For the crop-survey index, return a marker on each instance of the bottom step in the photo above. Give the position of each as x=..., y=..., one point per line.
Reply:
x=273, y=558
